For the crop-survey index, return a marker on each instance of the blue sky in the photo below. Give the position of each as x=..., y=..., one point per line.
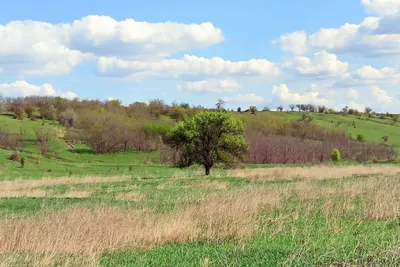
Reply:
x=255, y=52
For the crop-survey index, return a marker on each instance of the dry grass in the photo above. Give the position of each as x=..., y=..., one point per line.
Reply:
x=312, y=173
x=130, y=196
x=29, y=184
x=95, y=230
x=39, y=193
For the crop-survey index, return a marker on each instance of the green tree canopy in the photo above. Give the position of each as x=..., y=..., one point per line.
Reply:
x=209, y=138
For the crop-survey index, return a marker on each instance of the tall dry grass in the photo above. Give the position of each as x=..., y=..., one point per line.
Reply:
x=312, y=173
x=30, y=184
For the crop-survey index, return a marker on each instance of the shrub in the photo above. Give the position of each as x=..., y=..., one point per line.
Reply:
x=253, y=109
x=29, y=111
x=48, y=112
x=335, y=155
x=15, y=157
x=68, y=118
x=360, y=137
x=22, y=161
x=9, y=140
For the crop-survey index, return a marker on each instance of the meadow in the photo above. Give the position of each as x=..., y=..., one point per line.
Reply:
x=74, y=207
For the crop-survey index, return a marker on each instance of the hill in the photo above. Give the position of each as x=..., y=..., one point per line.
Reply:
x=80, y=160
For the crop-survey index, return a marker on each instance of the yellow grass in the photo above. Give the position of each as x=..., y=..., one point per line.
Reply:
x=39, y=193
x=94, y=230
x=29, y=184
x=312, y=173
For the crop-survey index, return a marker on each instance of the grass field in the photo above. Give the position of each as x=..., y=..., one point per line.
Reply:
x=234, y=218
x=75, y=208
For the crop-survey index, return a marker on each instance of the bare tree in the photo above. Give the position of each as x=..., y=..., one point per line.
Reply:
x=220, y=104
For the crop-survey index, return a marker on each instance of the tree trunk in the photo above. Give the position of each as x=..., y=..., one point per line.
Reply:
x=207, y=168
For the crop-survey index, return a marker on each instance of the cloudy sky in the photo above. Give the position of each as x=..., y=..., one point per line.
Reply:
x=254, y=52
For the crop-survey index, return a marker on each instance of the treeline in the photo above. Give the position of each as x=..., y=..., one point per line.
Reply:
x=110, y=127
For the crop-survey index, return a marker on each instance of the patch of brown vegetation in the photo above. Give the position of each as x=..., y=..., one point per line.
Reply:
x=130, y=196
x=93, y=230
x=312, y=173
x=29, y=184
x=39, y=193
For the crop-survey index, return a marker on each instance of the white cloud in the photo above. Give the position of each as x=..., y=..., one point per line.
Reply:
x=212, y=85
x=322, y=65
x=295, y=42
x=370, y=73
x=353, y=93
x=23, y=88
x=36, y=48
x=104, y=36
x=289, y=97
x=381, y=96
x=372, y=37
x=39, y=48
x=191, y=66
x=249, y=99
x=382, y=7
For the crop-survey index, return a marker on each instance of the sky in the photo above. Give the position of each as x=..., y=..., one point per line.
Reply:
x=264, y=53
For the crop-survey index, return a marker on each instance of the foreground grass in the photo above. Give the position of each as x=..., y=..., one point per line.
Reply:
x=252, y=219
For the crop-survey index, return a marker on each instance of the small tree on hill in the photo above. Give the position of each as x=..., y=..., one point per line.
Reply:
x=368, y=110
x=335, y=155
x=292, y=107
x=395, y=118
x=253, y=109
x=209, y=138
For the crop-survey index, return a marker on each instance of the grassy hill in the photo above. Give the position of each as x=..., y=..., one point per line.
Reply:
x=373, y=129
x=78, y=160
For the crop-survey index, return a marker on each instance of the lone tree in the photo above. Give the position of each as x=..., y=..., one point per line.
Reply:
x=220, y=104
x=209, y=138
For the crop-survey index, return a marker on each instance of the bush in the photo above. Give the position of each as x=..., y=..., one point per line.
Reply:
x=335, y=155
x=9, y=140
x=29, y=111
x=15, y=157
x=22, y=161
x=48, y=112
x=68, y=118
x=360, y=137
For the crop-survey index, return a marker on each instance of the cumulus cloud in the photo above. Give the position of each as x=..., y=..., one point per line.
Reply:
x=370, y=73
x=289, y=97
x=373, y=37
x=382, y=7
x=248, y=99
x=212, y=85
x=381, y=96
x=38, y=48
x=188, y=66
x=353, y=93
x=23, y=88
x=323, y=64
x=104, y=36
x=295, y=42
